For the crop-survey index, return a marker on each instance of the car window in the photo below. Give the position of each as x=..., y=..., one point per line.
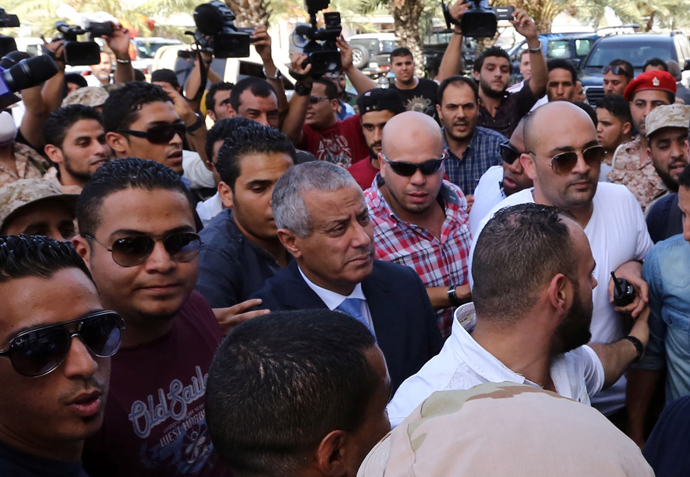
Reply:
x=635, y=52
x=147, y=49
x=582, y=47
x=558, y=49
x=387, y=46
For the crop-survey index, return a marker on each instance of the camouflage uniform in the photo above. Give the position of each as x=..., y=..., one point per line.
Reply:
x=29, y=163
x=23, y=192
x=640, y=177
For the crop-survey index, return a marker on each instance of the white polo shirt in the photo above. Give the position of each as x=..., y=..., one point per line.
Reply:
x=463, y=364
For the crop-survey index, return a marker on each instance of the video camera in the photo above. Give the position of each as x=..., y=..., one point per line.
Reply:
x=7, y=43
x=18, y=72
x=319, y=43
x=216, y=20
x=480, y=21
x=83, y=53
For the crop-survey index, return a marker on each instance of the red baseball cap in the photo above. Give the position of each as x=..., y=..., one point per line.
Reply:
x=657, y=80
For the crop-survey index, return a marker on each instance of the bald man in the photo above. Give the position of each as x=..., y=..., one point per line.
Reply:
x=563, y=159
x=501, y=181
x=420, y=220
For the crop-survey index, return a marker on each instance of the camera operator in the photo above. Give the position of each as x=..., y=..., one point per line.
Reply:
x=498, y=109
x=312, y=122
x=118, y=42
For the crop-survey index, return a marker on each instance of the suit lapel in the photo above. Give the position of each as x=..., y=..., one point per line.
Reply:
x=295, y=293
x=382, y=307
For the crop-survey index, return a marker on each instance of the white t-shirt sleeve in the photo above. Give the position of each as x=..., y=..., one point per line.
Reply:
x=196, y=172
x=487, y=195
x=593, y=369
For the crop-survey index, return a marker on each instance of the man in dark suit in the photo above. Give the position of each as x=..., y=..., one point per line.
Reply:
x=323, y=222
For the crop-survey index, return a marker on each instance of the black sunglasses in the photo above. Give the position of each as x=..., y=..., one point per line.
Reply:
x=161, y=134
x=508, y=152
x=316, y=99
x=564, y=162
x=41, y=350
x=407, y=169
x=133, y=251
x=616, y=70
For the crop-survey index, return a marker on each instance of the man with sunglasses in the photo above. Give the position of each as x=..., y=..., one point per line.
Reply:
x=632, y=165
x=419, y=219
x=563, y=159
x=472, y=149
x=141, y=120
x=617, y=75
x=54, y=357
x=138, y=240
x=501, y=181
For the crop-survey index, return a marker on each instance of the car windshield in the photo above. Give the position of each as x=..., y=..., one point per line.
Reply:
x=634, y=52
x=388, y=46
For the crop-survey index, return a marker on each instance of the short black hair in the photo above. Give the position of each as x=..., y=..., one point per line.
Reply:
x=122, y=107
x=222, y=130
x=494, y=51
x=165, y=75
x=456, y=79
x=655, y=62
x=24, y=256
x=259, y=87
x=251, y=138
x=627, y=66
x=401, y=52
x=280, y=383
x=684, y=177
x=211, y=95
x=122, y=174
x=589, y=110
x=617, y=106
x=518, y=251
x=62, y=119
x=331, y=88
x=139, y=75
x=560, y=63
x=77, y=79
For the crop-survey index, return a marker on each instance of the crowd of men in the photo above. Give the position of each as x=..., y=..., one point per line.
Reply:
x=408, y=280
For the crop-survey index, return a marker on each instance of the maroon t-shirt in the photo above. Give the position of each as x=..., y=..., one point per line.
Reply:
x=342, y=143
x=155, y=421
x=363, y=172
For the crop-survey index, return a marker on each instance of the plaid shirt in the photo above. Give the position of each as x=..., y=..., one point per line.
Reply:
x=437, y=262
x=482, y=153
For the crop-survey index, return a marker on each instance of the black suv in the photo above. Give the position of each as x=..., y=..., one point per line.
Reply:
x=637, y=49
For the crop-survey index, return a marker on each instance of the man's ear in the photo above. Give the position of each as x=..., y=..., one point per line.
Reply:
x=335, y=104
x=83, y=248
x=54, y=153
x=440, y=112
x=211, y=114
x=560, y=293
x=527, y=161
x=475, y=75
x=289, y=241
x=118, y=143
x=382, y=166
x=331, y=454
x=225, y=194
x=627, y=127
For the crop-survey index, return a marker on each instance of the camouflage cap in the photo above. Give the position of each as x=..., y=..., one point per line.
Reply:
x=667, y=116
x=90, y=96
x=19, y=194
x=504, y=429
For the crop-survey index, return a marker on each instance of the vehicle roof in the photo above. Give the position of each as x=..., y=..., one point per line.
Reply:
x=575, y=34
x=646, y=37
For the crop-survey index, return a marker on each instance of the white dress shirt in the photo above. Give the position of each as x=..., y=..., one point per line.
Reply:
x=463, y=364
x=209, y=208
x=333, y=300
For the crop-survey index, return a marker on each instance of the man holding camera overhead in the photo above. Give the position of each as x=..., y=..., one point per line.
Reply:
x=498, y=109
x=312, y=123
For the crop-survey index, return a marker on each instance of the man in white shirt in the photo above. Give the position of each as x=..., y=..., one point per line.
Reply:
x=609, y=213
x=498, y=182
x=533, y=308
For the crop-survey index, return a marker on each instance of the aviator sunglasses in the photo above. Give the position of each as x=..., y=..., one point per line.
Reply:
x=508, y=152
x=565, y=162
x=39, y=351
x=133, y=251
x=616, y=70
x=161, y=134
x=407, y=169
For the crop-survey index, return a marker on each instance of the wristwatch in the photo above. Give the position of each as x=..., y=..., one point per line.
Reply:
x=302, y=90
x=638, y=346
x=453, y=297
x=537, y=49
x=199, y=122
x=277, y=76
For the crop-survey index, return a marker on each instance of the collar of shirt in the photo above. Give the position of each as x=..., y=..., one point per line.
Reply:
x=209, y=208
x=331, y=298
x=468, y=150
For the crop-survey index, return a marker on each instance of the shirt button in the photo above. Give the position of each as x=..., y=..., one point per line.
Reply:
x=670, y=320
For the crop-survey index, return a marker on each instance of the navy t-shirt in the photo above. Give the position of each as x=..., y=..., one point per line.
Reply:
x=667, y=448
x=14, y=463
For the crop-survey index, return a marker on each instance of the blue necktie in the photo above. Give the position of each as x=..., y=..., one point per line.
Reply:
x=353, y=307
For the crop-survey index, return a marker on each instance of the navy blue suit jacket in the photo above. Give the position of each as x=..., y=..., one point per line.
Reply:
x=404, y=321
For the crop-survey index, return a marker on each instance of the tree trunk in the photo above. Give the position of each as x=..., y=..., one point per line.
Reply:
x=250, y=12
x=650, y=22
x=406, y=15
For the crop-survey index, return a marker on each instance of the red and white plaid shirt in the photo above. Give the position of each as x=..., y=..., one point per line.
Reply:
x=438, y=262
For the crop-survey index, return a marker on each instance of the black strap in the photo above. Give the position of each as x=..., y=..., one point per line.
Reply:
x=674, y=223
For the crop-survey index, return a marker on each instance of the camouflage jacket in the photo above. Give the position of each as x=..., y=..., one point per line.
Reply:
x=29, y=163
